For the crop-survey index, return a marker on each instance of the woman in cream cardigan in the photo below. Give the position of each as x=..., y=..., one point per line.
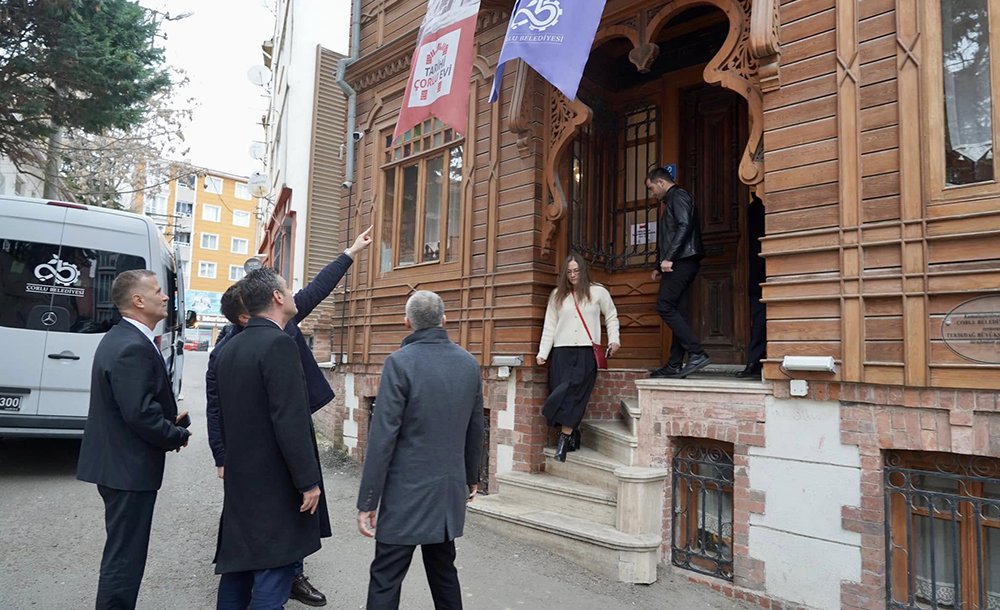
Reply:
x=565, y=342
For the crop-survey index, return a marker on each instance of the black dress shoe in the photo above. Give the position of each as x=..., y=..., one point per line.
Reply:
x=574, y=440
x=562, y=446
x=667, y=371
x=304, y=592
x=752, y=371
x=695, y=363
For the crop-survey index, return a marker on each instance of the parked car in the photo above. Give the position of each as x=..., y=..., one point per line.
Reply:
x=57, y=263
x=195, y=345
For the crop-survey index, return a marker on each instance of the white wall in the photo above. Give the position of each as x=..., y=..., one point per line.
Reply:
x=309, y=23
x=807, y=476
x=32, y=187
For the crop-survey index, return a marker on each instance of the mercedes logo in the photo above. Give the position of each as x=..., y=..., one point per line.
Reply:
x=49, y=318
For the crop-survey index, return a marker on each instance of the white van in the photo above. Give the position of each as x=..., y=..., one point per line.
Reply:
x=57, y=262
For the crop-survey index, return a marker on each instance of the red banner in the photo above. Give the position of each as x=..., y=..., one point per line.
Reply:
x=441, y=68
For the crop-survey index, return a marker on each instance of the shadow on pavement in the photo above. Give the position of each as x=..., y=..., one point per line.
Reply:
x=33, y=457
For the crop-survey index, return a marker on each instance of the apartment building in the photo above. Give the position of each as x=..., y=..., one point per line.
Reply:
x=210, y=216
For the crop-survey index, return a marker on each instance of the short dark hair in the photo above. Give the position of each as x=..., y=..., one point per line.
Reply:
x=258, y=289
x=125, y=285
x=659, y=173
x=231, y=303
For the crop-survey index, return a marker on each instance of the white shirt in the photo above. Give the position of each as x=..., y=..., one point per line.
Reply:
x=563, y=327
x=145, y=330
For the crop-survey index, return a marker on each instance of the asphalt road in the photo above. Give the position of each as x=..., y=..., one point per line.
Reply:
x=52, y=535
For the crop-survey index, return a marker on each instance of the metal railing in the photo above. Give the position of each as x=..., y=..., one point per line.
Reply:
x=612, y=218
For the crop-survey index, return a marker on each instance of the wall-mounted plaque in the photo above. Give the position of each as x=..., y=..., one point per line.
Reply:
x=972, y=329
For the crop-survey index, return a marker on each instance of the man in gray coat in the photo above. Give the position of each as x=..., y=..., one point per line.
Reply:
x=422, y=464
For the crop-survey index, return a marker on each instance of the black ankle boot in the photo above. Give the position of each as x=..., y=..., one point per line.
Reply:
x=574, y=440
x=562, y=446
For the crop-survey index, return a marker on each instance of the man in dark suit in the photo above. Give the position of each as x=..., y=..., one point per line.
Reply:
x=131, y=425
x=272, y=474
x=422, y=462
x=320, y=392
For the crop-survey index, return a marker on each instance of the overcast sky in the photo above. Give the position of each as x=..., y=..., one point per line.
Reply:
x=216, y=46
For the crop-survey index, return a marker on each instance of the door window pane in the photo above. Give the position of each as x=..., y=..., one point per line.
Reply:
x=968, y=104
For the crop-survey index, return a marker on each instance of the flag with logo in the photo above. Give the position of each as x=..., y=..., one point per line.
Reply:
x=553, y=37
x=441, y=68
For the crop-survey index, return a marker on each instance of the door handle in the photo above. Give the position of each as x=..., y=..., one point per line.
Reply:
x=64, y=356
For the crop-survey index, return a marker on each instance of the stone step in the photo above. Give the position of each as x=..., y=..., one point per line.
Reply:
x=612, y=438
x=586, y=466
x=631, y=413
x=601, y=548
x=559, y=495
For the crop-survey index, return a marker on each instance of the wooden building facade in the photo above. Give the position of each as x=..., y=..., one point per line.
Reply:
x=866, y=127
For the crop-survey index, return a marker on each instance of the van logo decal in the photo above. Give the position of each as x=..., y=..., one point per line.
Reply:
x=56, y=269
x=49, y=318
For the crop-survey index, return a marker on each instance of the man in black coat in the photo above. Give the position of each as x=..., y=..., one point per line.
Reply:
x=131, y=425
x=272, y=475
x=422, y=462
x=678, y=254
x=320, y=392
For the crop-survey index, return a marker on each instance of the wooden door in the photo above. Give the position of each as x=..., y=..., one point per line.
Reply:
x=713, y=133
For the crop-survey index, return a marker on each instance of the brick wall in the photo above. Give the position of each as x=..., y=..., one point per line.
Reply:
x=873, y=418
x=609, y=390
x=738, y=419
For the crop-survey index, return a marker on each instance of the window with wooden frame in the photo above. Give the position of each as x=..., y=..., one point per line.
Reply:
x=961, y=77
x=702, y=490
x=422, y=197
x=942, y=531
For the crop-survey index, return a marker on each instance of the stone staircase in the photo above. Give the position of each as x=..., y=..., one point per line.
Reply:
x=596, y=509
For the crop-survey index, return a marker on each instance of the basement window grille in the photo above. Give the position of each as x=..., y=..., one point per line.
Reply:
x=702, y=533
x=942, y=531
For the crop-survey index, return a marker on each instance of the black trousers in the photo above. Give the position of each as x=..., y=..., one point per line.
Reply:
x=758, y=332
x=393, y=560
x=128, y=516
x=672, y=305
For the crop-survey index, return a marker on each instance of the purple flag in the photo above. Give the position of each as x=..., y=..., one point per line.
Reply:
x=553, y=37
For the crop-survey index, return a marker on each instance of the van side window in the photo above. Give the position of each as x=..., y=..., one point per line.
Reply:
x=59, y=288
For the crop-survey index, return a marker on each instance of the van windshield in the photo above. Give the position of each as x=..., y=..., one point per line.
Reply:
x=59, y=288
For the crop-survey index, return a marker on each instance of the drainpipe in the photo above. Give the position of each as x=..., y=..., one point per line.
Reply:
x=351, y=141
x=352, y=96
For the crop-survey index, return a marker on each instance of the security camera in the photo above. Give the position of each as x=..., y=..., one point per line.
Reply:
x=347, y=184
x=357, y=135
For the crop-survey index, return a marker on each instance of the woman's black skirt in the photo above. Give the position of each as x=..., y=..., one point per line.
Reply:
x=572, y=373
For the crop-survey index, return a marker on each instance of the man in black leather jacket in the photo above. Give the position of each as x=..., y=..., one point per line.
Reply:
x=679, y=254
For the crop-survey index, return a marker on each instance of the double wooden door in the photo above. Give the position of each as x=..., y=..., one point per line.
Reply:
x=713, y=134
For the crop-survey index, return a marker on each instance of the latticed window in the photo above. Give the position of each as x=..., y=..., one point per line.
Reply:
x=613, y=219
x=942, y=531
x=702, y=536
x=422, y=196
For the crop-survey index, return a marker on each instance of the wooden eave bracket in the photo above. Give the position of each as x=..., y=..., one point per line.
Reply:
x=765, y=26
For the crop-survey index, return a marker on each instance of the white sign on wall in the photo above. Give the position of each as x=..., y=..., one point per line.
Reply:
x=643, y=233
